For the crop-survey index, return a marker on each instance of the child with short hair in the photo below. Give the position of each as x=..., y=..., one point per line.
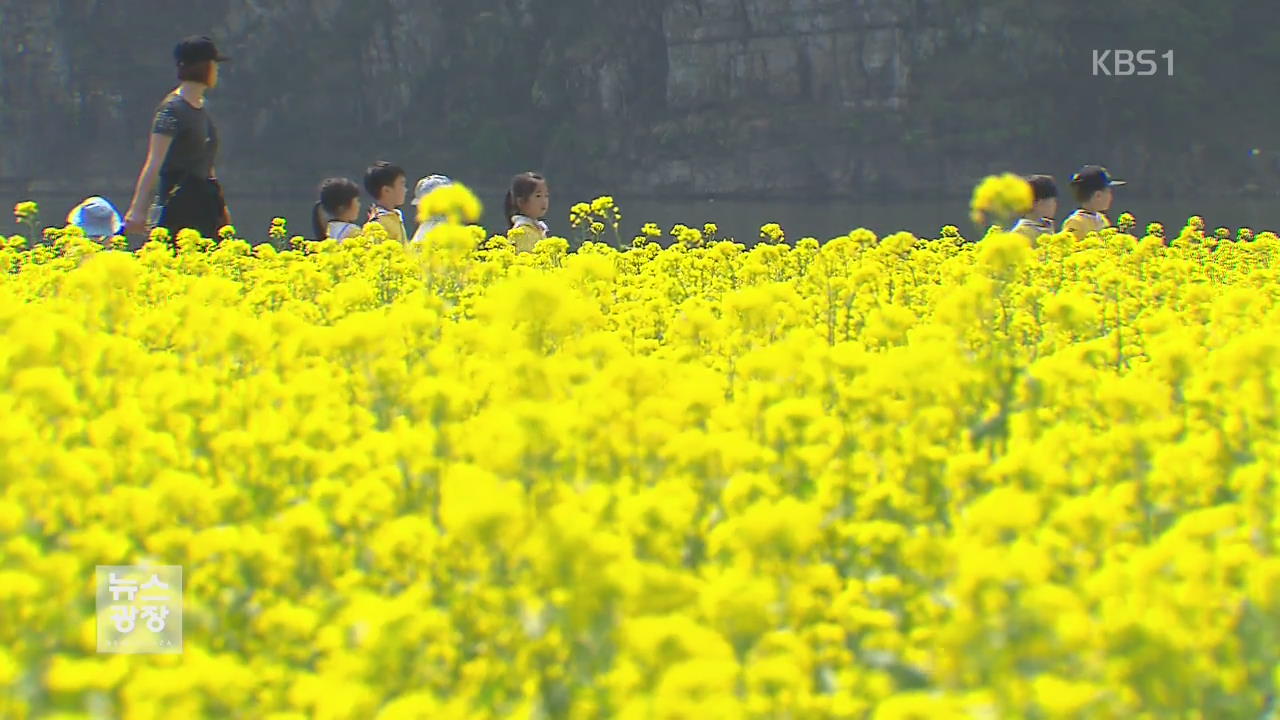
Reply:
x=386, y=184
x=1039, y=219
x=1092, y=187
x=526, y=203
x=335, y=215
x=420, y=192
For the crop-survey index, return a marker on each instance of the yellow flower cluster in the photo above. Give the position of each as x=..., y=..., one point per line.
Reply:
x=454, y=203
x=25, y=211
x=999, y=199
x=279, y=230
x=871, y=478
x=649, y=232
x=593, y=218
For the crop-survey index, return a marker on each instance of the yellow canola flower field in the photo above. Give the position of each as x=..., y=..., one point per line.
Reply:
x=884, y=478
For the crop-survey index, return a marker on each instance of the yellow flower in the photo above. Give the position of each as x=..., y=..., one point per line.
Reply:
x=1073, y=311
x=410, y=706
x=772, y=232
x=861, y=478
x=454, y=202
x=602, y=204
x=1005, y=252
x=374, y=231
x=69, y=675
x=25, y=212
x=919, y=706
x=1061, y=698
x=739, y=604
x=999, y=198
x=898, y=243
x=889, y=324
x=9, y=669
x=476, y=504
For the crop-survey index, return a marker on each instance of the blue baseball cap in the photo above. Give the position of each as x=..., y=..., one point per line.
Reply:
x=97, y=217
x=1092, y=178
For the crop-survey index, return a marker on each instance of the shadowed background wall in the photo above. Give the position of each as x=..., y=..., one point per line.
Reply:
x=781, y=98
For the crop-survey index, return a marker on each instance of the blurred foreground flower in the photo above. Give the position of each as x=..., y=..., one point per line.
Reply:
x=1000, y=199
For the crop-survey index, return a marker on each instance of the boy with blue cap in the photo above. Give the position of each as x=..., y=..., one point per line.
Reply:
x=1039, y=220
x=1092, y=187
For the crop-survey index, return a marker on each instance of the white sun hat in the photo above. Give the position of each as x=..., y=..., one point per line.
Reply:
x=427, y=184
x=97, y=217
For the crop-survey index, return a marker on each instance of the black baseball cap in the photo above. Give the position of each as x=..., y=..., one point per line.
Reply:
x=1092, y=178
x=197, y=49
x=1043, y=186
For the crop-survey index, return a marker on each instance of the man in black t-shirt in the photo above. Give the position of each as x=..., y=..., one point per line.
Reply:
x=182, y=153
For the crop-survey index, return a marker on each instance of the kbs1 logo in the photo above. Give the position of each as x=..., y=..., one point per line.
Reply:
x=1127, y=63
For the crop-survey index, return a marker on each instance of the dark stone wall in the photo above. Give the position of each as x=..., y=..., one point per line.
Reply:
x=844, y=98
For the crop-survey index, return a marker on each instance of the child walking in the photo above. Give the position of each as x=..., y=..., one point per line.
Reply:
x=1092, y=187
x=97, y=217
x=387, y=186
x=526, y=204
x=1039, y=220
x=420, y=192
x=335, y=215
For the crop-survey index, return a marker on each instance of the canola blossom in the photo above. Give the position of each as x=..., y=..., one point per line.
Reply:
x=1000, y=198
x=876, y=478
